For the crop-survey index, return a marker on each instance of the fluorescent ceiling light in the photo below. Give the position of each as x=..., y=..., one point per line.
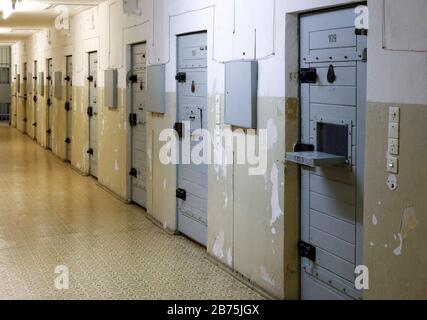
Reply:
x=5, y=30
x=22, y=6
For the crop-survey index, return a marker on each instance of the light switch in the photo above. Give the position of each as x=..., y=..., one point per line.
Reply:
x=393, y=146
x=393, y=131
x=392, y=165
x=394, y=115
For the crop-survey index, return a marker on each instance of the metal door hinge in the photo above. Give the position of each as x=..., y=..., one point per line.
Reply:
x=90, y=151
x=306, y=250
x=133, y=173
x=181, y=77
x=361, y=32
x=181, y=194
x=133, y=119
x=308, y=75
x=179, y=129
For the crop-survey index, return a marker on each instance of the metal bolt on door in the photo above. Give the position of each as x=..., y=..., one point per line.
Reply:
x=192, y=187
x=137, y=118
x=333, y=98
x=68, y=104
x=49, y=102
x=93, y=114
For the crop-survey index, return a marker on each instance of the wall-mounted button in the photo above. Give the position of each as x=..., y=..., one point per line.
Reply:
x=394, y=115
x=392, y=165
x=393, y=146
x=393, y=130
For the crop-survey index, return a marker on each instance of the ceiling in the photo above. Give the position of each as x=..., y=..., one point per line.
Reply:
x=24, y=23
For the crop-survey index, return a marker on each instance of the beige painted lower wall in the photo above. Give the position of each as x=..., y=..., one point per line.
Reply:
x=395, y=222
x=246, y=213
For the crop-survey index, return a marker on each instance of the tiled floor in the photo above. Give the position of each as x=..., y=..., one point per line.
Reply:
x=51, y=216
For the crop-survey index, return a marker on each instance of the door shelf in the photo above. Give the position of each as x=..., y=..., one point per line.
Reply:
x=315, y=159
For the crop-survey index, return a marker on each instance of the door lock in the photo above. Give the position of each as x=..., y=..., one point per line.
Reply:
x=308, y=75
x=133, y=173
x=35, y=98
x=133, y=78
x=49, y=102
x=90, y=78
x=48, y=131
x=67, y=106
x=133, y=119
x=181, y=194
x=67, y=141
x=181, y=77
x=90, y=151
x=67, y=78
x=35, y=124
x=306, y=250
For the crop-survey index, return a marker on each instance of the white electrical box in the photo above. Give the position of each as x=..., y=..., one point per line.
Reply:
x=156, y=87
x=110, y=91
x=241, y=93
x=58, y=85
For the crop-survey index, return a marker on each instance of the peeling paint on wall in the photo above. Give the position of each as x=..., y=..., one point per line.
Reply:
x=265, y=276
x=275, y=202
x=218, y=247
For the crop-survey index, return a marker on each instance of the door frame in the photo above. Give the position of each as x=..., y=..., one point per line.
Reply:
x=295, y=57
x=48, y=89
x=177, y=36
x=88, y=53
x=129, y=109
x=68, y=86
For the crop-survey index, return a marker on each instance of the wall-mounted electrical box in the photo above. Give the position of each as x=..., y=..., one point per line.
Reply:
x=41, y=83
x=156, y=87
x=58, y=85
x=241, y=93
x=110, y=91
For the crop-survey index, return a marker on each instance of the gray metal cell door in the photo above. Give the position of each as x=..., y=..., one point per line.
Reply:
x=93, y=114
x=49, y=102
x=333, y=100
x=35, y=98
x=69, y=103
x=137, y=120
x=192, y=188
x=24, y=97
